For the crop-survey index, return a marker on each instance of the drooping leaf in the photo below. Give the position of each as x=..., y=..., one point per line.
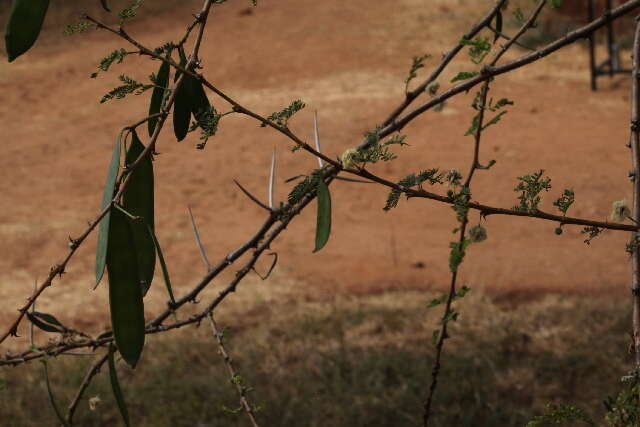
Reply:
x=182, y=110
x=46, y=322
x=107, y=196
x=125, y=293
x=199, y=100
x=138, y=200
x=115, y=386
x=24, y=25
x=323, y=226
x=162, y=81
x=105, y=334
x=61, y=419
x=165, y=271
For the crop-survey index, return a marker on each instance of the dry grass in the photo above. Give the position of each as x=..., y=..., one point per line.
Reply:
x=356, y=361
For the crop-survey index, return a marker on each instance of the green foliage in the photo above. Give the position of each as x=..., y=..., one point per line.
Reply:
x=530, y=187
x=115, y=386
x=456, y=256
x=622, y=410
x=125, y=293
x=129, y=12
x=432, y=176
x=46, y=322
x=477, y=105
x=460, y=199
x=479, y=48
x=518, y=15
x=554, y=4
x=561, y=415
x=163, y=264
x=23, y=26
x=464, y=75
x=78, y=27
x=378, y=150
x=565, y=201
x=138, y=200
x=323, y=224
x=282, y=117
x=208, y=121
x=161, y=82
x=107, y=196
x=308, y=184
x=416, y=64
x=592, y=231
x=129, y=86
x=460, y=293
x=116, y=56
x=477, y=234
x=52, y=399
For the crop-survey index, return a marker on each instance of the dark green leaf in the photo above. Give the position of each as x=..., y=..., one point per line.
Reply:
x=162, y=81
x=498, y=25
x=125, y=293
x=105, y=6
x=115, y=386
x=138, y=200
x=182, y=110
x=61, y=419
x=165, y=271
x=107, y=196
x=106, y=334
x=46, y=322
x=24, y=25
x=199, y=100
x=323, y=227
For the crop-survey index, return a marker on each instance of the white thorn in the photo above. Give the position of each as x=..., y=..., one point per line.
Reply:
x=272, y=177
x=316, y=135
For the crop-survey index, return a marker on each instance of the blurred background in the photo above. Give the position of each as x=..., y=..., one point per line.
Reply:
x=343, y=336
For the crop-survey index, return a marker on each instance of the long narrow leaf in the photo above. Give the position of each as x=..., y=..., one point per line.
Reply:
x=162, y=81
x=199, y=100
x=138, y=200
x=181, y=105
x=323, y=226
x=107, y=196
x=125, y=294
x=46, y=322
x=61, y=419
x=115, y=386
x=24, y=25
x=163, y=265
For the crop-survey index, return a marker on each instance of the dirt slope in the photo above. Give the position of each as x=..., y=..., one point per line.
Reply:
x=347, y=60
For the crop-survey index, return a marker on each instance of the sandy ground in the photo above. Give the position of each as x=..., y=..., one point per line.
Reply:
x=347, y=60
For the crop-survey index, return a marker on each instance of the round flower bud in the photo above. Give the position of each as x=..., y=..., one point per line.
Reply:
x=477, y=233
x=349, y=158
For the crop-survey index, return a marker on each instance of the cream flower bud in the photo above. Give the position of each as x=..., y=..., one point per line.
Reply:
x=620, y=210
x=477, y=234
x=93, y=402
x=349, y=158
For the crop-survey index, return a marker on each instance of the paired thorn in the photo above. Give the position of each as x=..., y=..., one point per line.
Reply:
x=252, y=197
x=203, y=253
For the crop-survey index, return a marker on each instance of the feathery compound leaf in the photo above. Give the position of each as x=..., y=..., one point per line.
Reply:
x=125, y=294
x=323, y=227
x=115, y=386
x=46, y=322
x=61, y=419
x=162, y=80
x=23, y=26
x=103, y=228
x=138, y=200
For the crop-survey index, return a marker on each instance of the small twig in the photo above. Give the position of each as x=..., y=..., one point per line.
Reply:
x=196, y=234
x=273, y=265
x=506, y=37
x=252, y=197
x=234, y=377
x=92, y=372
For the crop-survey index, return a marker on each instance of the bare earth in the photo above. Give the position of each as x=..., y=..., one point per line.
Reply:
x=347, y=60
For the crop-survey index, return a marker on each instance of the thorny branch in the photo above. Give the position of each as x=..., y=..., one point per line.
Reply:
x=278, y=219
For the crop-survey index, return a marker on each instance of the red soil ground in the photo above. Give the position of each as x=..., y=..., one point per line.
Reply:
x=347, y=60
